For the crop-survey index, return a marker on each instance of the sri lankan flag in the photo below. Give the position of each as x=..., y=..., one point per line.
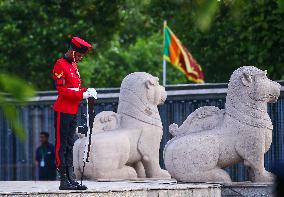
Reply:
x=178, y=56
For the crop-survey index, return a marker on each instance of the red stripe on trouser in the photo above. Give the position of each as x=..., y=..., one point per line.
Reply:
x=57, y=140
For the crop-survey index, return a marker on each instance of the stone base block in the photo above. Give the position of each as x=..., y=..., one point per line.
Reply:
x=247, y=189
x=136, y=188
x=110, y=189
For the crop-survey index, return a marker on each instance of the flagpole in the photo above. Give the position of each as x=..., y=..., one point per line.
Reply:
x=164, y=72
x=164, y=60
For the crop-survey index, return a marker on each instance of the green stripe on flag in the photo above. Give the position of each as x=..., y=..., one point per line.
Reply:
x=167, y=40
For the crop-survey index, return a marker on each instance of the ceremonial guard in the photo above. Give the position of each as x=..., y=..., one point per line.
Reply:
x=70, y=94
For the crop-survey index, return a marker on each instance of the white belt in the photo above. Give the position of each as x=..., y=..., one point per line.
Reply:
x=75, y=89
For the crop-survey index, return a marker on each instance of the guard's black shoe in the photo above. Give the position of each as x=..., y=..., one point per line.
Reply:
x=65, y=185
x=81, y=187
x=64, y=182
x=71, y=178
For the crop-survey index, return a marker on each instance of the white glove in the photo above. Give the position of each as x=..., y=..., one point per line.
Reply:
x=92, y=92
x=86, y=95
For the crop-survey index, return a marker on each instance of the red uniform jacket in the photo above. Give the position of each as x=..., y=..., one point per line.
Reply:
x=68, y=84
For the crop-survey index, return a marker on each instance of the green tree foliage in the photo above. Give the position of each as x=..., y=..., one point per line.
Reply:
x=35, y=33
x=241, y=33
x=19, y=92
x=221, y=35
x=114, y=64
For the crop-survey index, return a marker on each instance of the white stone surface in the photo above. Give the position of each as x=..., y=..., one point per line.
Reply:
x=141, y=188
x=126, y=144
x=211, y=139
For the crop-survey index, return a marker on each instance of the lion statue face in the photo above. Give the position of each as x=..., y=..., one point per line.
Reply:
x=255, y=84
x=156, y=93
x=264, y=89
x=140, y=94
x=144, y=87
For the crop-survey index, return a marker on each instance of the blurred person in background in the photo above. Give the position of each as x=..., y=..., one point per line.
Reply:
x=45, y=158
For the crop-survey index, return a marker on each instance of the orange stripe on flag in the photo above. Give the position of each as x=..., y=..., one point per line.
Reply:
x=174, y=51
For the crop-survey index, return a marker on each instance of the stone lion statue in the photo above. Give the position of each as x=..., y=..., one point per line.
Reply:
x=125, y=145
x=211, y=139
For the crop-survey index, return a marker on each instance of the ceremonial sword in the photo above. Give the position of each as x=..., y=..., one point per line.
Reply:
x=90, y=120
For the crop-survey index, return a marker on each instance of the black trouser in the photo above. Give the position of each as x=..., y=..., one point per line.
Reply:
x=65, y=127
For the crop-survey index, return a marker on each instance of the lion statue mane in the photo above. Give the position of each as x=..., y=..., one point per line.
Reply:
x=211, y=139
x=125, y=145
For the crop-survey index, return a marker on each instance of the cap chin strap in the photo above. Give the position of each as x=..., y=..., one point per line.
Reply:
x=73, y=56
x=77, y=71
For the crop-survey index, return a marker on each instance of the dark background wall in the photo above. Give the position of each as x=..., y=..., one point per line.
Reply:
x=17, y=158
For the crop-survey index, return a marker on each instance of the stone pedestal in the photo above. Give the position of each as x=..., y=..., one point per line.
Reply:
x=137, y=188
x=247, y=189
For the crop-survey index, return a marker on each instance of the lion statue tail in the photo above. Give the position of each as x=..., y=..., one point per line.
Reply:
x=173, y=129
x=106, y=121
x=202, y=119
